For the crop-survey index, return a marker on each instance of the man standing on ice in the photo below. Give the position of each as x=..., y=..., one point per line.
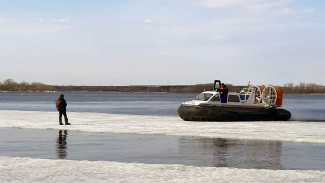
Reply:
x=61, y=106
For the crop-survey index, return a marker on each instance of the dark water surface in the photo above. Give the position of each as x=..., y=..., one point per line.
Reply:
x=302, y=107
x=161, y=104
x=158, y=149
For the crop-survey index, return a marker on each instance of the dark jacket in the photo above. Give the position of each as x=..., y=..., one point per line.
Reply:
x=63, y=104
x=223, y=90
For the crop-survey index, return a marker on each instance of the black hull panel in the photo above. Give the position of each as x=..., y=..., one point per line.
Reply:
x=225, y=113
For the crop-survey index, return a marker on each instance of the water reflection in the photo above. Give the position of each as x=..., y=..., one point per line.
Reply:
x=233, y=153
x=220, y=159
x=160, y=149
x=61, y=144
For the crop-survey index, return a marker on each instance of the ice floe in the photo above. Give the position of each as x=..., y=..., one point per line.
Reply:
x=16, y=169
x=294, y=131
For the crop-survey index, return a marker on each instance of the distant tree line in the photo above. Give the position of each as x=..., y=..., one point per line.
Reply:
x=303, y=88
x=11, y=85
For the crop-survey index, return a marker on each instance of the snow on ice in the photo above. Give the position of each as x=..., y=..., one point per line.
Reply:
x=294, y=131
x=17, y=169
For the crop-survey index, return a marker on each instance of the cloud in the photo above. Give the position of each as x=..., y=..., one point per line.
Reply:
x=224, y=51
x=30, y=29
x=3, y=19
x=147, y=21
x=289, y=11
x=63, y=20
x=255, y=7
x=220, y=3
x=267, y=4
x=165, y=53
x=19, y=26
x=309, y=10
x=251, y=4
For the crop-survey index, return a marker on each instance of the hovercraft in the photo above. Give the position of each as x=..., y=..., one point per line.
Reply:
x=254, y=103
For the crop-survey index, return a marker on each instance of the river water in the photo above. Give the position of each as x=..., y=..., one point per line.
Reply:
x=155, y=149
x=302, y=107
x=161, y=149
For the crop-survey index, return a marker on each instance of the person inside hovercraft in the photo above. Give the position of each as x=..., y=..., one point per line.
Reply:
x=223, y=93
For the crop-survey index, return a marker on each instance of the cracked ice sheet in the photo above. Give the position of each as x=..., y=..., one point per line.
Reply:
x=294, y=131
x=16, y=169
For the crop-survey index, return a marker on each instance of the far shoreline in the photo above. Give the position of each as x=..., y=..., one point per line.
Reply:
x=10, y=85
x=134, y=92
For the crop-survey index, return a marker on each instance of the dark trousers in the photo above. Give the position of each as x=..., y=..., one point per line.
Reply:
x=64, y=113
x=223, y=98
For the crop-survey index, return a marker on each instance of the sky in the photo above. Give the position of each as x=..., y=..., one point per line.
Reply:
x=162, y=42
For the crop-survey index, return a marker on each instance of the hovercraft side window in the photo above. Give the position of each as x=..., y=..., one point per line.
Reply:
x=215, y=98
x=203, y=96
x=233, y=98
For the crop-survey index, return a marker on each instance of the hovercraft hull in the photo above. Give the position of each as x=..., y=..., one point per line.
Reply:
x=232, y=113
